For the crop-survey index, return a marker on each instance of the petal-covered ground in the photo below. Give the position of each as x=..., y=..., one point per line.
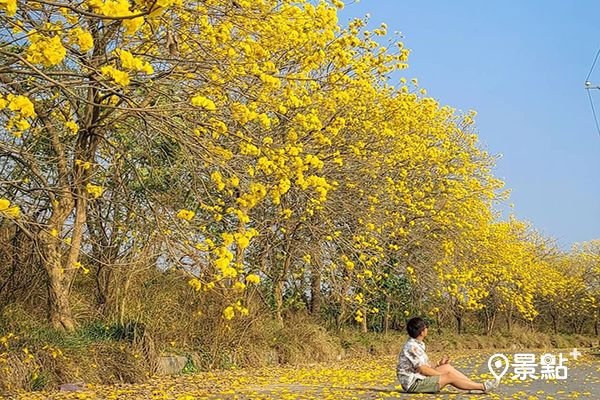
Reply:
x=347, y=379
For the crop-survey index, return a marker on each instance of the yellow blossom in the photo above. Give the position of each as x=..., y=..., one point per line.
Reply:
x=135, y=63
x=10, y=6
x=185, y=214
x=94, y=190
x=82, y=38
x=79, y=265
x=21, y=104
x=201, y=101
x=195, y=283
x=45, y=50
x=228, y=313
x=4, y=204
x=120, y=77
x=72, y=126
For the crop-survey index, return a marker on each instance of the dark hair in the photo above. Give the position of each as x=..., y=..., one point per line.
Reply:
x=415, y=326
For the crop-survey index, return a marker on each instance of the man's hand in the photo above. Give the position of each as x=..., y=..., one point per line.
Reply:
x=444, y=360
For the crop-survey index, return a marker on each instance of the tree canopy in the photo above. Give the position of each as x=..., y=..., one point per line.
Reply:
x=265, y=153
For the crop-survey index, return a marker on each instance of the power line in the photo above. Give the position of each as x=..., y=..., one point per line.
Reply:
x=588, y=87
x=592, y=68
x=594, y=111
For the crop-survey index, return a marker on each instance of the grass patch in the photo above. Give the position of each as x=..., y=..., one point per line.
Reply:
x=103, y=353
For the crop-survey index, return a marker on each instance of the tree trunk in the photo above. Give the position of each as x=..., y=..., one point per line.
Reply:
x=67, y=196
x=124, y=298
x=59, y=309
x=103, y=280
x=459, y=324
x=240, y=251
x=60, y=277
x=581, y=326
x=279, y=284
x=279, y=303
x=342, y=315
x=386, y=317
x=315, y=283
x=105, y=249
x=490, y=319
x=363, y=324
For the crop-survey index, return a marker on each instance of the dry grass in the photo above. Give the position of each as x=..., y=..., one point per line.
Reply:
x=88, y=356
x=123, y=345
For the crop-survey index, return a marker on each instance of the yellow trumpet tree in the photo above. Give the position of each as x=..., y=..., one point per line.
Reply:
x=261, y=149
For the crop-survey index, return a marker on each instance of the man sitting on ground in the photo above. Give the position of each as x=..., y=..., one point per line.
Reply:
x=416, y=374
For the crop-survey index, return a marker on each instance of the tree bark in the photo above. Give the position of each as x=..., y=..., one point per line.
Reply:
x=490, y=318
x=279, y=303
x=363, y=324
x=280, y=282
x=342, y=315
x=59, y=308
x=386, y=317
x=315, y=283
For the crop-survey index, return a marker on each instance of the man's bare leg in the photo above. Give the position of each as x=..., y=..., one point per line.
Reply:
x=459, y=382
x=447, y=368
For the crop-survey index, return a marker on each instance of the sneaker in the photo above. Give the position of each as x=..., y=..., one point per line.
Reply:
x=490, y=386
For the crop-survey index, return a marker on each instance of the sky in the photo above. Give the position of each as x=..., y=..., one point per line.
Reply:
x=522, y=66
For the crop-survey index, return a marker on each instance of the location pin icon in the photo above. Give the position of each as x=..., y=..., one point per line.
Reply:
x=497, y=365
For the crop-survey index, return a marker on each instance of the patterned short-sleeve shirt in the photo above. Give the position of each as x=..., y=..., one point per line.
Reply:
x=411, y=357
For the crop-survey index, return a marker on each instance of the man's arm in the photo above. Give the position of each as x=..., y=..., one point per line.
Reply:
x=428, y=371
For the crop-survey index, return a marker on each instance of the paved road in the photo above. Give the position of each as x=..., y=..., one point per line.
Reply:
x=346, y=379
x=583, y=381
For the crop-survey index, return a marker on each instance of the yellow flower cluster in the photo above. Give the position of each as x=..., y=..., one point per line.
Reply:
x=94, y=190
x=118, y=8
x=81, y=267
x=20, y=104
x=185, y=214
x=6, y=210
x=224, y=258
x=249, y=200
x=72, y=126
x=10, y=6
x=45, y=50
x=229, y=312
x=359, y=317
x=120, y=77
x=252, y=278
x=83, y=164
x=81, y=38
x=23, y=108
x=195, y=283
x=128, y=61
x=242, y=239
x=156, y=6
x=203, y=102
